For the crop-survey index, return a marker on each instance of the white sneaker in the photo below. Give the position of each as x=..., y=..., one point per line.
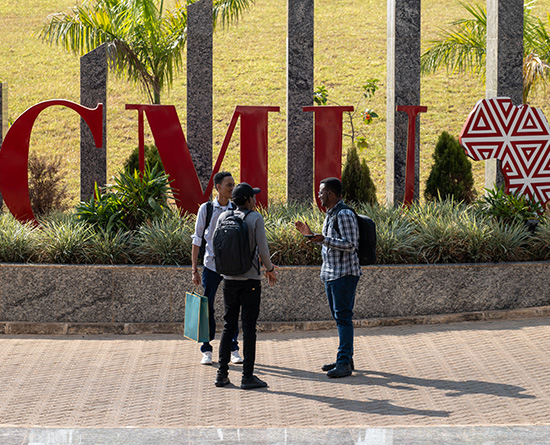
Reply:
x=235, y=357
x=206, y=358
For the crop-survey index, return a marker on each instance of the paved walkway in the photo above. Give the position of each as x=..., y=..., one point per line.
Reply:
x=461, y=383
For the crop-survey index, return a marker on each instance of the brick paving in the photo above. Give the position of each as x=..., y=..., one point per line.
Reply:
x=472, y=373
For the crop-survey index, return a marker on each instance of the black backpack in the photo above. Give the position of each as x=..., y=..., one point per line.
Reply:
x=367, y=236
x=209, y=211
x=231, y=245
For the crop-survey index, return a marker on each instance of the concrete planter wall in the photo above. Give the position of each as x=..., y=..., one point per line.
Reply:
x=121, y=295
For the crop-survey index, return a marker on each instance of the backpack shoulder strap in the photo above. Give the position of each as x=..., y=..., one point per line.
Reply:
x=247, y=212
x=209, y=211
x=335, y=225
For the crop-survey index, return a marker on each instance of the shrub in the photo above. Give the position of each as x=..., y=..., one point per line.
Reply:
x=451, y=175
x=127, y=204
x=357, y=184
x=47, y=188
x=152, y=158
x=103, y=211
x=510, y=208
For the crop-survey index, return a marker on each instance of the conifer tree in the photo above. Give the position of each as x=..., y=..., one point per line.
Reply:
x=357, y=184
x=451, y=175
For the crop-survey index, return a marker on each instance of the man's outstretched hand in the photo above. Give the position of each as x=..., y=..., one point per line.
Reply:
x=304, y=229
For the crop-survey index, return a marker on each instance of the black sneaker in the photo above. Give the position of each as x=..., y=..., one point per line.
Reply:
x=252, y=382
x=329, y=366
x=340, y=370
x=221, y=380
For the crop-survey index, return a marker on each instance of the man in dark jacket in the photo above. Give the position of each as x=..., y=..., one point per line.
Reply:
x=242, y=292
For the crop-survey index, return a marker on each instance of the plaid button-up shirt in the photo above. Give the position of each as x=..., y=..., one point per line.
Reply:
x=339, y=247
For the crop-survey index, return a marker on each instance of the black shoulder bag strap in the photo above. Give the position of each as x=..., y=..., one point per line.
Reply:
x=335, y=225
x=209, y=211
x=253, y=253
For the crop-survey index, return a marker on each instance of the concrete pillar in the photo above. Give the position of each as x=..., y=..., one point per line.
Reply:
x=403, y=88
x=93, y=91
x=299, y=95
x=199, y=87
x=504, y=64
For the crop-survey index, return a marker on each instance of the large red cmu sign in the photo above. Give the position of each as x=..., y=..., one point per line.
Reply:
x=517, y=136
x=174, y=152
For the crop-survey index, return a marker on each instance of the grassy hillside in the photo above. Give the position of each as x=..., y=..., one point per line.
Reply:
x=250, y=69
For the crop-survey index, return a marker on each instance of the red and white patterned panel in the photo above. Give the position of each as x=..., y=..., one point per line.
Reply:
x=517, y=136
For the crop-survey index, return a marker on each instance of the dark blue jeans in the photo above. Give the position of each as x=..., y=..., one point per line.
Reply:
x=240, y=297
x=341, y=299
x=210, y=281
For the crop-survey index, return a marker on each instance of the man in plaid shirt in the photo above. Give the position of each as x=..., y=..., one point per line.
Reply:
x=340, y=270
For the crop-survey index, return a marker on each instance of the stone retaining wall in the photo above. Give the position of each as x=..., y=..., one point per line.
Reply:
x=136, y=295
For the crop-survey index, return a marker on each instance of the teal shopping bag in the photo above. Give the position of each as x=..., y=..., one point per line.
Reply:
x=196, y=326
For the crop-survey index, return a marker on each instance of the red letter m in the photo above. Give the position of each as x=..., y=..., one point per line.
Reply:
x=176, y=158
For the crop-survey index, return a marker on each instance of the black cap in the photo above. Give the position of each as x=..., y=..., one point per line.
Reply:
x=243, y=191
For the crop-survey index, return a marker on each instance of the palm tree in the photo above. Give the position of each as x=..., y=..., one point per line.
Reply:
x=144, y=41
x=463, y=47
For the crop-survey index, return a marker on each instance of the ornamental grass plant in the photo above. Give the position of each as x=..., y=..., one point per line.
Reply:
x=18, y=242
x=286, y=245
x=540, y=243
x=164, y=241
x=64, y=240
x=443, y=232
x=109, y=247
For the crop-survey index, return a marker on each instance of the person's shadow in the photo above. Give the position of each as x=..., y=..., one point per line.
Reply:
x=393, y=381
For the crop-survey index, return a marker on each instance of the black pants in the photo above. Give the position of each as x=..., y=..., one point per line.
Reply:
x=210, y=281
x=236, y=295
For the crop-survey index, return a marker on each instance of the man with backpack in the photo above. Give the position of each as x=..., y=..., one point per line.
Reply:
x=207, y=218
x=239, y=245
x=340, y=271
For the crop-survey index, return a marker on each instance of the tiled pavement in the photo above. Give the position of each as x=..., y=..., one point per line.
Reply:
x=474, y=382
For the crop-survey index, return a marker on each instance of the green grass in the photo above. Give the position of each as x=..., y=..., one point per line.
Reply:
x=250, y=69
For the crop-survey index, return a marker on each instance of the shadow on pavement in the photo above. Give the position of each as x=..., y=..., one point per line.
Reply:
x=454, y=388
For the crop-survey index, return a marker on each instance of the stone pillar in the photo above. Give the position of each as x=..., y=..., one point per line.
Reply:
x=3, y=118
x=199, y=87
x=504, y=77
x=299, y=95
x=403, y=88
x=93, y=91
